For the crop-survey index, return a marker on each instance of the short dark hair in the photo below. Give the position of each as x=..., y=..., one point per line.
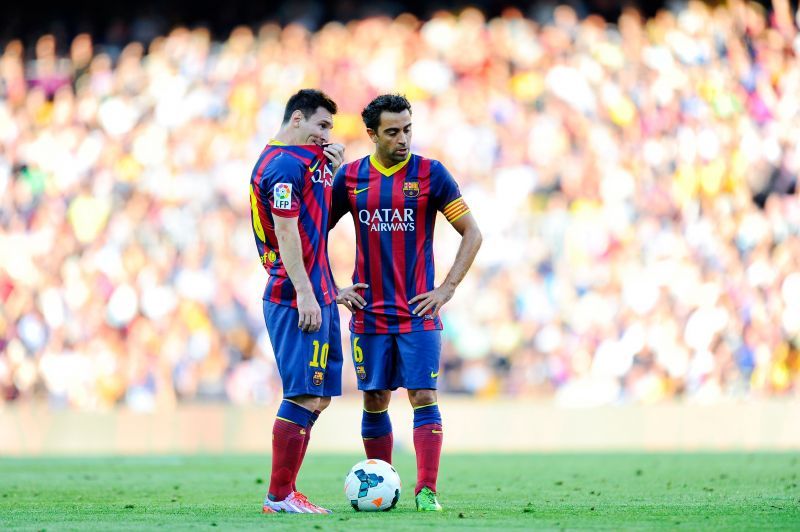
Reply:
x=307, y=101
x=393, y=103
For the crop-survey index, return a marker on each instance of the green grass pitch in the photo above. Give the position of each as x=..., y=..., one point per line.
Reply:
x=549, y=491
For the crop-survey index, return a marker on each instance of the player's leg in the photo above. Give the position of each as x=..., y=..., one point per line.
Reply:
x=295, y=353
x=373, y=356
x=428, y=436
x=376, y=426
x=331, y=366
x=288, y=442
x=419, y=365
x=290, y=438
x=321, y=404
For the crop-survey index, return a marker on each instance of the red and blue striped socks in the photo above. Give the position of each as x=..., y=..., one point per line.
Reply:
x=289, y=440
x=376, y=432
x=427, y=444
x=314, y=416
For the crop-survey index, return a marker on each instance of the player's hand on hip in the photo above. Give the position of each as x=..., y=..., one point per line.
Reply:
x=335, y=153
x=309, y=314
x=350, y=298
x=430, y=302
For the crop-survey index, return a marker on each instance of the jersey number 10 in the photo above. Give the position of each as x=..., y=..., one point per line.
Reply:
x=320, y=359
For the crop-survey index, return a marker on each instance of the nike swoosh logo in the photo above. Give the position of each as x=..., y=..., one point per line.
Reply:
x=436, y=431
x=313, y=168
x=357, y=191
x=434, y=375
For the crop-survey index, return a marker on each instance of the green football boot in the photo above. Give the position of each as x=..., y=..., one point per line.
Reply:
x=427, y=502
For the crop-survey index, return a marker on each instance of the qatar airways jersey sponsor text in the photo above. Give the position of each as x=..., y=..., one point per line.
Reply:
x=387, y=219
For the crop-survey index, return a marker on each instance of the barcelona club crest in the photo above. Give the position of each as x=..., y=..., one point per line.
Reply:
x=317, y=378
x=411, y=189
x=361, y=372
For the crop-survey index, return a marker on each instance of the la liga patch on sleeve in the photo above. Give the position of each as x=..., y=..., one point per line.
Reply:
x=282, y=196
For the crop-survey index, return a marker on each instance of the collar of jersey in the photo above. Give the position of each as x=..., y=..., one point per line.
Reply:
x=391, y=170
x=274, y=142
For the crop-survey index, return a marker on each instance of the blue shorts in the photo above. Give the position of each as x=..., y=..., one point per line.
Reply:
x=309, y=363
x=391, y=361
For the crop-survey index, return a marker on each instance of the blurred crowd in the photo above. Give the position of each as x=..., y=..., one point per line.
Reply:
x=635, y=183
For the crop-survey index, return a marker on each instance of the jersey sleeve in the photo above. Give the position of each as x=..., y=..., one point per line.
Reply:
x=339, y=203
x=447, y=195
x=282, y=186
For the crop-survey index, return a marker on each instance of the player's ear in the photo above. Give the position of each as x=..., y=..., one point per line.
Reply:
x=297, y=116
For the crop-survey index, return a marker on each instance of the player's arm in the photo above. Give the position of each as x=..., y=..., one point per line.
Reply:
x=447, y=197
x=291, y=249
x=349, y=297
x=471, y=239
x=282, y=186
x=339, y=203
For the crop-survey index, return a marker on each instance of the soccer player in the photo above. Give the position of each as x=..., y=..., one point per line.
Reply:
x=394, y=196
x=290, y=197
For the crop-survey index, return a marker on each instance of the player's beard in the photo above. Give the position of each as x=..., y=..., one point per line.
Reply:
x=399, y=156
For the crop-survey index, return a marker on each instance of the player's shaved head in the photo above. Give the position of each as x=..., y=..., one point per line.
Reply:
x=307, y=101
x=392, y=103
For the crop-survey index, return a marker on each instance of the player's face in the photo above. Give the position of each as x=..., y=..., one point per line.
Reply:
x=393, y=138
x=316, y=129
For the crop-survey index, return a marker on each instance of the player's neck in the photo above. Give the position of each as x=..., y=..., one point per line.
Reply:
x=387, y=167
x=386, y=163
x=285, y=136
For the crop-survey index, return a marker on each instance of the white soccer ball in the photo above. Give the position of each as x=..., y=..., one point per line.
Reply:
x=372, y=485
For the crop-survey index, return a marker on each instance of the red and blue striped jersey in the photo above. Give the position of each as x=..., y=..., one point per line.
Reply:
x=394, y=211
x=293, y=181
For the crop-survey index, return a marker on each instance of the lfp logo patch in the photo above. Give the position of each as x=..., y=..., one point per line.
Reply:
x=282, y=196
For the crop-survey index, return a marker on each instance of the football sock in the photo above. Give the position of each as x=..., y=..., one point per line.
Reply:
x=376, y=432
x=314, y=416
x=427, y=444
x=288, y=437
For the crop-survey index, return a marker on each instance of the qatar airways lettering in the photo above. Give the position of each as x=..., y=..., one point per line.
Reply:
x=387, y=219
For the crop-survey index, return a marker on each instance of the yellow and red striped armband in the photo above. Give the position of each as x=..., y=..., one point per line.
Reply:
x=455, y=210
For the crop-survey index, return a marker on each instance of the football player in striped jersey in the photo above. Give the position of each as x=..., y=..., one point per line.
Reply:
x=290, y=199
x=394, y=197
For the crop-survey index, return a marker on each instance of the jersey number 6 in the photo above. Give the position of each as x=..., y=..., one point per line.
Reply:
x=358, y=353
